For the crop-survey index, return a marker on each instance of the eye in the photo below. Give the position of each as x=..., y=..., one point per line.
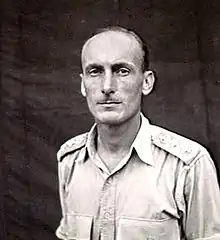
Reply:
x=94, y=72
x=123, y=72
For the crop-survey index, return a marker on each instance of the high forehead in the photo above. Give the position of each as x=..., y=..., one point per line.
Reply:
x=112, y=44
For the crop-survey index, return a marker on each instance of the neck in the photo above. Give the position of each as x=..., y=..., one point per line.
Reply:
x=117, y=139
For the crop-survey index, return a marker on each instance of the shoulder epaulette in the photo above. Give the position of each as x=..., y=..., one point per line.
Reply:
x=177, y=145
x=71, y=146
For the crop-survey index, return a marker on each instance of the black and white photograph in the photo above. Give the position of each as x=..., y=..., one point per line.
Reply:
x=110, y=120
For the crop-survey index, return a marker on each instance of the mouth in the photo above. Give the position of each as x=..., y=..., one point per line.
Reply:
x=109, y=102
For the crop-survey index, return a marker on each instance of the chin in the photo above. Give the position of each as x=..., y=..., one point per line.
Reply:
x=110, y=118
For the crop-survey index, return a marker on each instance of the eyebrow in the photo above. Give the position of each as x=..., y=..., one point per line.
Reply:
x=114, y=66
x=119, y=65
x=93, y=65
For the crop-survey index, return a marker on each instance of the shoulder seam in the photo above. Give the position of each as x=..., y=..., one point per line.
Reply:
x=181, y=147
x=71, y=145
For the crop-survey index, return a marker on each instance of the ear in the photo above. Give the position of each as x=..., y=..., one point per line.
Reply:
x=83, y=90
x=148, y=82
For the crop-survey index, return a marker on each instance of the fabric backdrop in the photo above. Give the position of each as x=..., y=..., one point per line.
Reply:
x=41, y=105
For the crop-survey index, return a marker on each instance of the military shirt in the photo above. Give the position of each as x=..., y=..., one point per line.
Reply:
x=165, y=189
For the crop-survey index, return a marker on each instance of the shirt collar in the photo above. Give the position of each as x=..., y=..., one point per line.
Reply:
x=91, y=141
x=142, y=143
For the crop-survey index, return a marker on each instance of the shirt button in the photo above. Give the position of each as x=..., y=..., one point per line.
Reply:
x=109, y=181
x=107, y=215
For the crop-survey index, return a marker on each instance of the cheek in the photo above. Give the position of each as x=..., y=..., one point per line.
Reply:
x=90, y=84
x=133, y=91
x=91, y=89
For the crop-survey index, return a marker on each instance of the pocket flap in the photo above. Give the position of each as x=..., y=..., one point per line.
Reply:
x=79, y=226
x=130, y=228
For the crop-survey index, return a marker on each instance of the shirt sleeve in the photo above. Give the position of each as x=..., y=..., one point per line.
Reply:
x=65, y=171
x=61, y=231
x=202, y=199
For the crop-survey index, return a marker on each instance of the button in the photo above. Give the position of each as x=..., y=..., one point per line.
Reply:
x=109, y=181
x=107, y=215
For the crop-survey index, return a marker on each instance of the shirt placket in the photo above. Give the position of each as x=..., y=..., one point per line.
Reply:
x=106, y=224
x=107, y=210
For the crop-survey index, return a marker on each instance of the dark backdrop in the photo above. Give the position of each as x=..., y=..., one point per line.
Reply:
x=40, y=99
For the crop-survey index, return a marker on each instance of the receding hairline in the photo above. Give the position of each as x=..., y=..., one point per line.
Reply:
x=130, y=33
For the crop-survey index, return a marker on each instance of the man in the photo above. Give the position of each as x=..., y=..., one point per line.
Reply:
x=127, y=179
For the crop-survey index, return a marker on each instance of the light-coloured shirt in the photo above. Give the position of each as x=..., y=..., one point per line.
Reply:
x=165, y=189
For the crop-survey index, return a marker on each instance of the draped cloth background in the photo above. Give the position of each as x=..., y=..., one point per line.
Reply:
x=40, y=99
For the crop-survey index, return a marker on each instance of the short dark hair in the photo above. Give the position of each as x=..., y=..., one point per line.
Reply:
x=140, y=40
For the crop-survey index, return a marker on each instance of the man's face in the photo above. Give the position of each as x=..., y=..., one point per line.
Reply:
x=112, y=78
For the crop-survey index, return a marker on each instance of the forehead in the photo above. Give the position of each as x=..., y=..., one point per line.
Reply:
x=110, y=47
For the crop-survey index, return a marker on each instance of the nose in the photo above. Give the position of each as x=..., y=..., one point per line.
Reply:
x=108, y=85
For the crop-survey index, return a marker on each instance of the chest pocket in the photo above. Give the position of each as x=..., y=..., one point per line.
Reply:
x=79, y=227
x=147, y=229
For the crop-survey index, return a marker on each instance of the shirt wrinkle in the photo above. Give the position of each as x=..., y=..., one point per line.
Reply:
x=150, y=194
x=142, y=142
